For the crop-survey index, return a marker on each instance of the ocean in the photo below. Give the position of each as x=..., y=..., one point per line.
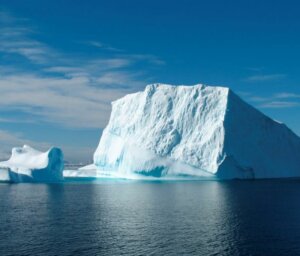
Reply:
x=119, y=217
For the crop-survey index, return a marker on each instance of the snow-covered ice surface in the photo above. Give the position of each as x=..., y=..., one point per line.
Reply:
x=194, y=131
x=30, y=165
x=89, y=171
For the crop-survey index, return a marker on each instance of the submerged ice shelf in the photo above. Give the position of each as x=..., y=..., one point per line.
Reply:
x=30, y=165
x=194, y=131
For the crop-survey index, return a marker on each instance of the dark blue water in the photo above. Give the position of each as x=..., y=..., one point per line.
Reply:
x=148, y=218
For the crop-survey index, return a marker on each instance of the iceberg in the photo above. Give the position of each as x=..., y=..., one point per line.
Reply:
x=30, y=165
x=196, y=131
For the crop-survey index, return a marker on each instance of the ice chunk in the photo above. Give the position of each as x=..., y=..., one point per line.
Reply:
x=30, y=165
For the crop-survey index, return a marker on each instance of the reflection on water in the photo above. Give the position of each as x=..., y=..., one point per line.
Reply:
x=151, y=218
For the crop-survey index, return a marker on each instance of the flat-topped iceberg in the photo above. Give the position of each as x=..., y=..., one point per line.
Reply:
x=194, y=131
x=30, y=165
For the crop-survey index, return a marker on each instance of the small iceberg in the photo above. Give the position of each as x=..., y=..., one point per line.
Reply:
x=27, y=164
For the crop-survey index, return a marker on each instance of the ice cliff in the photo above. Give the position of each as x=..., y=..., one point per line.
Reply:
x=29, y=165
x=195, y=131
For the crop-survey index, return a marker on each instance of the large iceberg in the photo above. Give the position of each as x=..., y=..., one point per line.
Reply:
x=30, y=165
x=194, y=131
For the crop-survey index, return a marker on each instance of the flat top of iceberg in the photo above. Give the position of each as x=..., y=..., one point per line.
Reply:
x=27, y=157
x=151, y=88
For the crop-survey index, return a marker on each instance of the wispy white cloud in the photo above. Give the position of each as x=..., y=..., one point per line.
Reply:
x=72, y=92
x=258, y=98
x=264, y=77
x=287, y=95
x=7, y=18
x=16, y=39
x=277, y=100
x=103, y=46
x=52, y=87
x=15, y=120
x=145, y=57
x=70, y=102
x=95, y=44
x=280, y=104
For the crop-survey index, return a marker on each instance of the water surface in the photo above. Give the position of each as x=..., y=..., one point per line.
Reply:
x=151, y=218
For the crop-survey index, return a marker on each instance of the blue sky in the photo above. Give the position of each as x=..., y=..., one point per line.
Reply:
x=63, y=62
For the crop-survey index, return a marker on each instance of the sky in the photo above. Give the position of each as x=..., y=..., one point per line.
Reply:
x=63, y=62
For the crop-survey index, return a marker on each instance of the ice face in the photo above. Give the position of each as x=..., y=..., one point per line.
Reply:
x=30, y=165
x=203, y=131
x=257, y=145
